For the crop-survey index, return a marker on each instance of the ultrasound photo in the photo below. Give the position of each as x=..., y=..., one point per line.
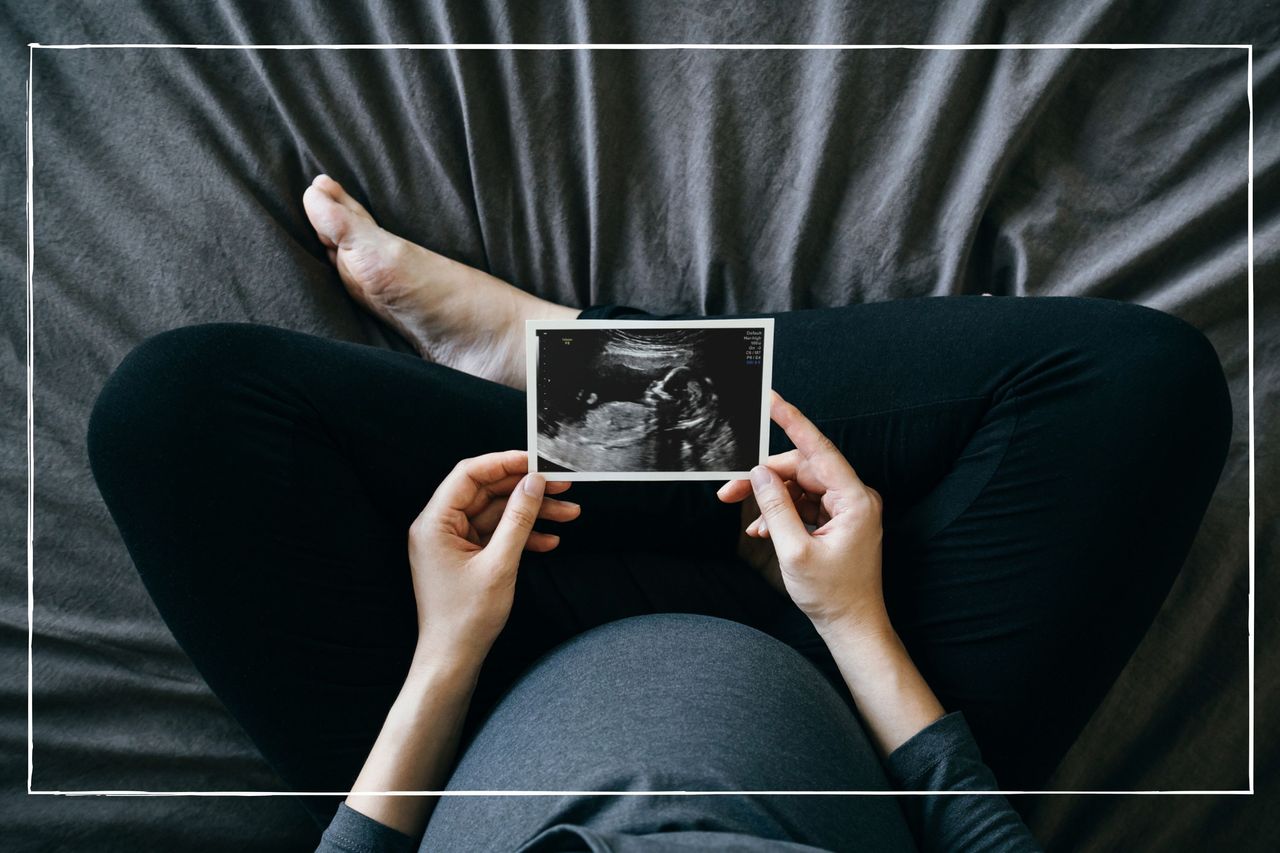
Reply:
x=648, y=400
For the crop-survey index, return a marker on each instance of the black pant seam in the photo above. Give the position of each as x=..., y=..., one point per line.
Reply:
x=896, y=409
x=1016, y=403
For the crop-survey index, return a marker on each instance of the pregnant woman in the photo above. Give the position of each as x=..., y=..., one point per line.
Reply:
x=973, y=513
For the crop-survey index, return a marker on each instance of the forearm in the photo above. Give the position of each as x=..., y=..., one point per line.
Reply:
x=924, y=751
x=893, y=698
x=417, y=743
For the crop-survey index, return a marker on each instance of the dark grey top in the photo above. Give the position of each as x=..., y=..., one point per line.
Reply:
x=690, y=703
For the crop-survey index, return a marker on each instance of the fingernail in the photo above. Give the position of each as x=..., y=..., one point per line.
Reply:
x=759, y=476
x=535, y=484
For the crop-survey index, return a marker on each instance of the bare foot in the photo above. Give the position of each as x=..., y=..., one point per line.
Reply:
x=453, y=314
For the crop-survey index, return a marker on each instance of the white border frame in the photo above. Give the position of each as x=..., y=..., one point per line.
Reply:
x=531, y=329
x=33, y=46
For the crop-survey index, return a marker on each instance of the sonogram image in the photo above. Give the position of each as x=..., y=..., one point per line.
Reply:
x=661, y=400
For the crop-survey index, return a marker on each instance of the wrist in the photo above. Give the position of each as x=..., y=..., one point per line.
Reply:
x=866, y=624
x=444, y=665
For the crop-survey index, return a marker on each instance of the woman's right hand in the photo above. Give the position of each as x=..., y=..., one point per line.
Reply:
x=832, y=573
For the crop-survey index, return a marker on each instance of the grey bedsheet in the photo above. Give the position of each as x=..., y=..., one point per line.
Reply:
x=166, y=192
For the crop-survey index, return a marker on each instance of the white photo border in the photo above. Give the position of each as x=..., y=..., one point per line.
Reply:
x=556, y=46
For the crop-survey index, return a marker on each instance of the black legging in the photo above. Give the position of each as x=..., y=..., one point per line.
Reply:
x=1044, y=464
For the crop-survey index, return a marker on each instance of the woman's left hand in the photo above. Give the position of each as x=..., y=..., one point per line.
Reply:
x=465, y=546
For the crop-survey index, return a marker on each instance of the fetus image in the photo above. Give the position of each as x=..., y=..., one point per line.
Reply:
x=661, y=400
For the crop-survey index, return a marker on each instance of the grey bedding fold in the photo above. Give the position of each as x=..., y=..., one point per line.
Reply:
x=166, y=189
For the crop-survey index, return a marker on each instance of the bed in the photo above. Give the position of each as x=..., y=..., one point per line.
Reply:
x=166, y=191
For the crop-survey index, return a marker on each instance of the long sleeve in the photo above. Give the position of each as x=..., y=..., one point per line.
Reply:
x=944, y=757
x=352, y=832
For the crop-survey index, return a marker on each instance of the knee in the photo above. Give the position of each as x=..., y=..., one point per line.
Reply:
x=162, y=391
x=1167, y=374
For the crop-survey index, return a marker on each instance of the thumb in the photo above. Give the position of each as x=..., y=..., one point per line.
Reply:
x=778, y=511
x=513, y=529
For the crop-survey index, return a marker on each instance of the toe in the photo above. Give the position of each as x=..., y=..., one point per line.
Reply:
x=340, y=195
x=330, y=219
